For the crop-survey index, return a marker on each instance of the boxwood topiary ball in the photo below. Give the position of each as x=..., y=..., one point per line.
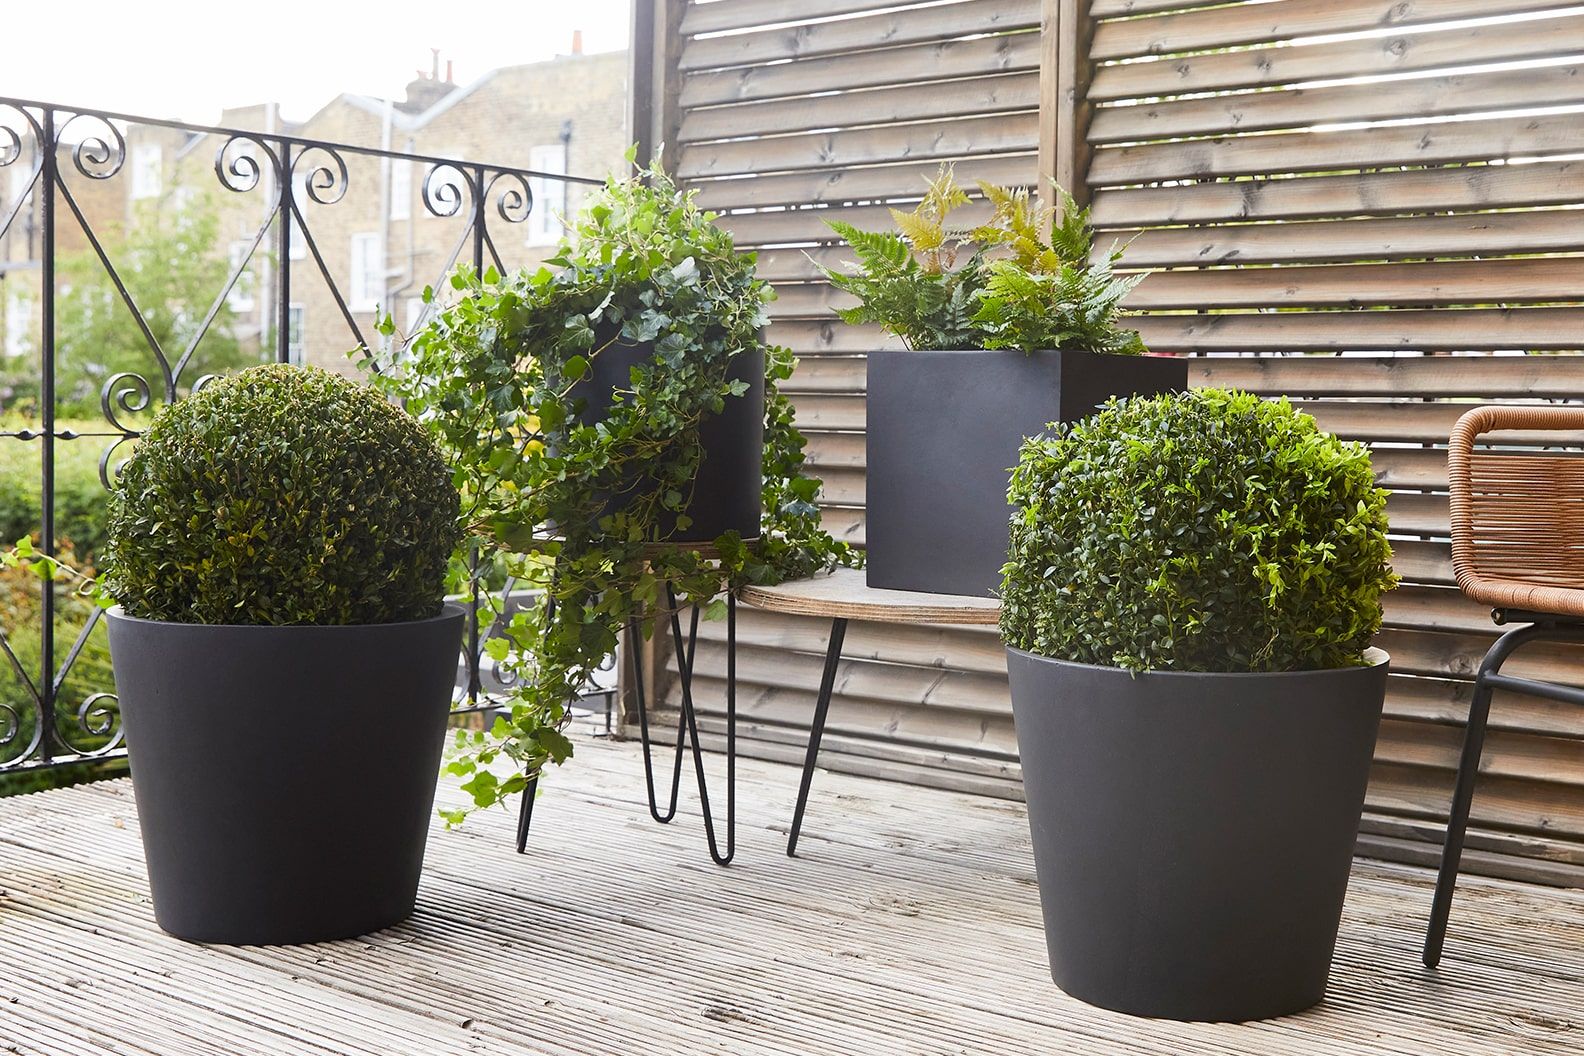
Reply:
x=282, y=495
x=1197, y=531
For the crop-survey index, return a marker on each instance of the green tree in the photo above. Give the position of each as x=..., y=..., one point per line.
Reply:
x=172, y=262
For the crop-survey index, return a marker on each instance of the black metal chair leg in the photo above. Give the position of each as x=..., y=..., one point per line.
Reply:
x=1468, y=772
x=634, y=646
x=690, y=718
x=817, y=727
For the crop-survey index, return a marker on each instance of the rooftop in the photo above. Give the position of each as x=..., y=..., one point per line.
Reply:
x=909, y=924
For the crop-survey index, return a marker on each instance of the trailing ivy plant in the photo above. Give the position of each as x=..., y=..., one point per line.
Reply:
x=1024, y=280
x=495, y=378
x=1197, y=531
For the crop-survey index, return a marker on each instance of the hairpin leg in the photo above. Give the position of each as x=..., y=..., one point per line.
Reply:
x=690, y=719
x=817, y=727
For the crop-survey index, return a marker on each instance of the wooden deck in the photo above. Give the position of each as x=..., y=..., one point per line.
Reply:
x=908, y=925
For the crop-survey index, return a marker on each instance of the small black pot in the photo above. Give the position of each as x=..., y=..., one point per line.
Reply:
x=284, y=776
x=728, y=491
x=943, y=433
x=1193, y=833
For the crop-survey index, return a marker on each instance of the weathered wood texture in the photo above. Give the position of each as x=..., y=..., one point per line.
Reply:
x=1384, y=251
x=909, y=924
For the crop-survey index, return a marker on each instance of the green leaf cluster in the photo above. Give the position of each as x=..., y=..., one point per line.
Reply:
x=1200, y=531
x=282, y=495
x=1028, y=278
x=495, y=379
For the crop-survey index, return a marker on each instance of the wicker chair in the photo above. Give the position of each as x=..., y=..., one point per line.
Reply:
x=1517, y=546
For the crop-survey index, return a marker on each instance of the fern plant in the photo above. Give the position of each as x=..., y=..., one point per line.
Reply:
x=1026, y=280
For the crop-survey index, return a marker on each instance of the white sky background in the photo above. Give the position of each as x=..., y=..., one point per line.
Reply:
x=187, y=59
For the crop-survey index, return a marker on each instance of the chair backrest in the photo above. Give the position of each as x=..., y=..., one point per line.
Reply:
x=1517, y=510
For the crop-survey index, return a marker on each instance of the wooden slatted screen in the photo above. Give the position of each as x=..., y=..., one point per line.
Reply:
x=1372, y=206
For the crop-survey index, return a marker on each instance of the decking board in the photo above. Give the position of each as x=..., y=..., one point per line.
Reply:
x=909, y=924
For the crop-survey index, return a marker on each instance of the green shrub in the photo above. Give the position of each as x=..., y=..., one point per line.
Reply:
x=81, y=502
x=282, y=495
x=1199, y=531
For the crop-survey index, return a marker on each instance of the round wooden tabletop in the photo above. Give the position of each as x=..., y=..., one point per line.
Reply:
x=846, y=594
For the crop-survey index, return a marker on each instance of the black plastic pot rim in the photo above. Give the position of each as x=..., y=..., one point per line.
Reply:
x=1373, y=657
x=447, y=610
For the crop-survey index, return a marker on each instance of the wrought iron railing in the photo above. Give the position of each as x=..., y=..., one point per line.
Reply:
x=48, y=716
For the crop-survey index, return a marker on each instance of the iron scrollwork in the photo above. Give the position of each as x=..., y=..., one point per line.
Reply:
x=294, y=174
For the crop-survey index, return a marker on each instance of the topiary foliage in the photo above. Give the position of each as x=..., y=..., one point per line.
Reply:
x=282, y=495
x=1197, y=531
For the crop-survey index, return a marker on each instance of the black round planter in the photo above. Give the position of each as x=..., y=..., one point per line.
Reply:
x=728, y=490
x=1193, y=833
x=284, y=776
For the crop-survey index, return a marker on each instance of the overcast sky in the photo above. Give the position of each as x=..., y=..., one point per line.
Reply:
x=187, y=59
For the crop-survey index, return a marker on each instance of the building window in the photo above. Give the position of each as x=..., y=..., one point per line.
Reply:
x=549, y=196
x=18, y=321
x=368, y=273
x=241, y=296
x=148, y=170
x=401, y=189
x=294, y=333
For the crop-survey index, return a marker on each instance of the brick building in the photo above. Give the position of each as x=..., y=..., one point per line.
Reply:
x=379, y=242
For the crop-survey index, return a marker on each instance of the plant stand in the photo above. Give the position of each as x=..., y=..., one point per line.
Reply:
x=841, y=596
x=687, y=731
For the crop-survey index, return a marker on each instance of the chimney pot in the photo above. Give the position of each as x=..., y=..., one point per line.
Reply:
x=577, y=42
x=449, y=78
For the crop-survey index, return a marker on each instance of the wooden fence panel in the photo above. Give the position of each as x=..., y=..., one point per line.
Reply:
x=1342, y=209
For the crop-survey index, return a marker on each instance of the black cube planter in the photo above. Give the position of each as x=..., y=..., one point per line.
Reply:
x=728, y=491
x=943, y=433
x=284, y=776
x=1193, y=833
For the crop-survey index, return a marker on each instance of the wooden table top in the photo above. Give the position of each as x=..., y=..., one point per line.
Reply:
x=846, y=594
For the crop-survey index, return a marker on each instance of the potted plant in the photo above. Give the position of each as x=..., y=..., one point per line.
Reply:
x=618, y=434
x=1006, y=328
x=278, y=545
x=1193, y=583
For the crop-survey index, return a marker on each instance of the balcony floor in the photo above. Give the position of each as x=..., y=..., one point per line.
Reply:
x=910, y=924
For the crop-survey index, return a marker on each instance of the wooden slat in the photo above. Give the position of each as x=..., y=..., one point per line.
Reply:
x=1446, y=329
x=1285, y=20
x=1116, y=8
x=908, y=26
x=1468, y=234
x=1005, y=53
x=1359, y=56
x=1447, y=141
x=1001, y=134
x=1486, y=377
x=1400, y=421
x=1534, y=280
x=826, y=412
x=1501, y=802
x=1301, y=107
x=830, y=336
x=894, y=183
x=916, y=102
x=1355, y=194
x=811, y=225
x=745, y=14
